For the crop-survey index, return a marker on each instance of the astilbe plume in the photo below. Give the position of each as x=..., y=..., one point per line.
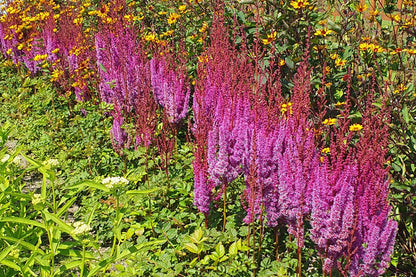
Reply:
x=333, y=214
x=170, y=86
x=295, y=157
x=375, y=232
x=77, y=59
x=296, y=160
x=125, y=79
x=221, y=111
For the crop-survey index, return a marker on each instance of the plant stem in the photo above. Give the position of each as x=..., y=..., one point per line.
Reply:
x=276, y=232
x=299, y=269
x=224, y=212
x=116, y=225
x=83, y=260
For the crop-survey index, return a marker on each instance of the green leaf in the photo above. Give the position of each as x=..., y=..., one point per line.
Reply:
x=141, y=192
x=11, y=265
x=67, y=266
x=23, y=221
x=6, y=251
x=25, y=244
x=220, y=250
x=75, y=253
x=65, y=207
x=338, y=94
x=102, y=67
x=233, y=250
x=196, y=236
x=289, y=63
x=61, y=224
x=191, y=247
x=123, y=255
x=91, y=184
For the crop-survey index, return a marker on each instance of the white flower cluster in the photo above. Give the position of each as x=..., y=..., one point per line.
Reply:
x=80, y=228
x=5, y=158
x=36, y=199
x=51, y=163
x=111, y=182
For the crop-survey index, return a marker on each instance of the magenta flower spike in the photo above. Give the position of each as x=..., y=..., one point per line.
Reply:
x=170, y=89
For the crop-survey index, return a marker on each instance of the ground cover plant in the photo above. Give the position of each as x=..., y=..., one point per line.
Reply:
x=207, y=138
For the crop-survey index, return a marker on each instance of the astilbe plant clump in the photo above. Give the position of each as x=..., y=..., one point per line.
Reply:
x=221, y=113
x=125, y=82
x=350, y=209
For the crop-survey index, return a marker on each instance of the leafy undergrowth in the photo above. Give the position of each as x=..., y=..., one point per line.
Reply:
x=58, y=217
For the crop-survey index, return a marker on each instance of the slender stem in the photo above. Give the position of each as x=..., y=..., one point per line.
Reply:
x=83, y=260
x=53, y=195
x=276, y=232
x=224, y=212
x=299, y=270
x=116, y=225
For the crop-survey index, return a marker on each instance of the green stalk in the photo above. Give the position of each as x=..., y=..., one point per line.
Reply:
x=83, y=260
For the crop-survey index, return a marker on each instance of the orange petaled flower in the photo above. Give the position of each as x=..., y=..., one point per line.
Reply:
x=356, y=127
x=361, y=8
x=334, y=56
x=411, y=51
x=282, y=62
x=329, y=121
x=182, y=8
x=40, y=57
x=396, y=51
x=327, y=70
x=270, y=38
x=286, y=107
x=203, y=27
x=173, y=17
x=374, y=13
x=56, y=74
x=299, y=4
x=339, y=104
x=340, y=62
x=323, y=32
x=203, y=59
x=396, y=18
x=400, y=88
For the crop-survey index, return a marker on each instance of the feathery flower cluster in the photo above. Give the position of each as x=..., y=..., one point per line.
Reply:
x=344, y=192
x=170, y=88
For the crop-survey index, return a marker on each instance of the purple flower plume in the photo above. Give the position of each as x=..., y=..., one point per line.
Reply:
x=170, y=89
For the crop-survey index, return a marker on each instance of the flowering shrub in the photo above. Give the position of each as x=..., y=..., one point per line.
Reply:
x=302, y=125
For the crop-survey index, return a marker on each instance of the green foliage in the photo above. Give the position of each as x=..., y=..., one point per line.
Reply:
x=55, y=152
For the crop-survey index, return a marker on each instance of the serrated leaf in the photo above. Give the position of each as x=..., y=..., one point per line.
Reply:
x=233, y=250
x=220, y=250
x=197, y=236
